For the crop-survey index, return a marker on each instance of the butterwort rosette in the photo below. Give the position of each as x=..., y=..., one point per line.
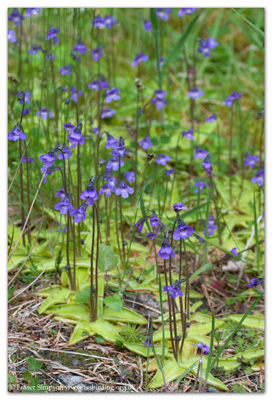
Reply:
x=166, y=250
x=183, y=231
x=89, y=194
x=64, y=206
x=16, y=134
x=159, y=100
x=173, y=290
x=80, y=213
x=141, y=57
x=124, y=190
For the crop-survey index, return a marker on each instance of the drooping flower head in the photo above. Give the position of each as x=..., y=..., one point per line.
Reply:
x=187, y=11
x=140, y=224
x=255, y=282
x=69, y=127
x=195, y=93
x=259, y=178
x=140, y=57
x=159, y=99
x=162, y=159
x=163, y=13
x=48, y=171
x=233, y=96
x=111, y=142
x=65, y=152
x=64, y=206
x=148, y=342
x=45, y=113
x=49, y=158
x=29, y=159
x=52, y=33
x=97, y=54
x=179, y=206
x=205, y=349
x=183, y=231
x=251, y=161
x=200, y=185
x=124, y=190
x=80, y=213
x=61, y=194
x=207, y=165
x=89, y=194
x=173, y=290
x=166, y=250
x=211, y=119
x=188, y=134
x=235, y=252
x=120, y=150
x=16, y=134
x=107, y=113
x=111, y=95
x=76, y=136
x=151, y=235
x=169, y=172
x=154, y=220
x=145, y=143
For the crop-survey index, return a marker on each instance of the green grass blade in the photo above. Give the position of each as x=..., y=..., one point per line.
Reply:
x=249, y=23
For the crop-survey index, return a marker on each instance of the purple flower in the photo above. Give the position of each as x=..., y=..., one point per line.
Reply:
x=69, y=127
x=162, y=59
x=163, y=159
x=188, y=134
x=112, y=94
x=61, y=194
x=207, y=45
x=107, y=113
x=195, y=93
x=179, y=206
x=99, y=22
x=200, y=185
x=147, y=25
x=139, y=58
x=65, y=152
x=183, y=231
x=151, y=235
x=159, y=99
x=145, y=143
x=110, y=21
x=76, y=137
x=34, y=50
x=148, y=342
x=154, y=220
x=233, y=96
x=65, y=70
x=80, y=213
x=27, y=111
x=15, y=16
x=124, y=190
x=89, y=194
x=111, y=142
x=49, y=158
x=207, y=165
x=234, y=252
x=32, y=11
x=95, y=85
x=211, y=229
x=255, y=282
x=203, y=347
x=29, y=159
x=251, y=161
x=200, y=153
x=184, y=11
x=106, y=190
x=174, y=291
x=162, y=13
x=48, y=171
x=119, y=151
x=129, y=176
x=114, y=163
x=97, y=53
x=199, y=238
x=211, y=119
x=52, y=33
x=11, y=36
x=64, y=206
x=50, y=56
x=259, y=178
x=140, y=224
x=16, y=134
x=45, y=113
x=166, y=251
x=80, y=48
x=169, y=172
